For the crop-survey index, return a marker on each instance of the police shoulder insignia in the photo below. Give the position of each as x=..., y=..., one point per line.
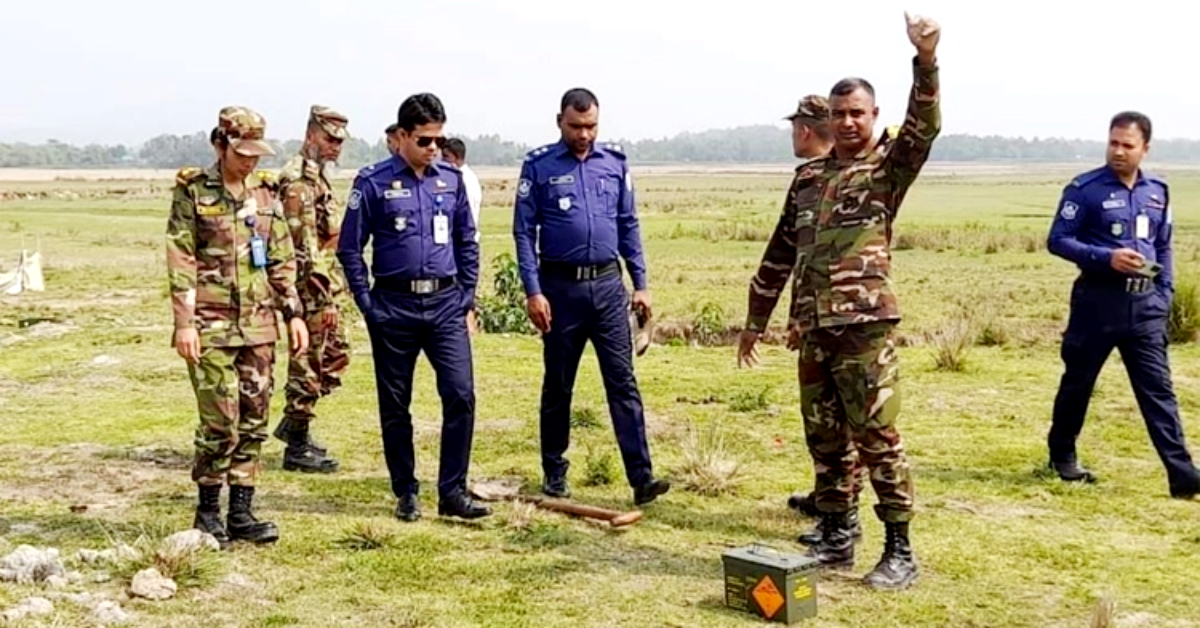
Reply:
x=523, y=187
x=188, y=174
x=538, y=152
x=1069, y=210
x=615, y=149
x=1087, y=177
x=355, y=199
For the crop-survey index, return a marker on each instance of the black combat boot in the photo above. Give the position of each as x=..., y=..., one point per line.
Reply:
x=897, y=569
x=285, y=426
x=812, y=538
x=836, y=549
x=242, y=524
x=208, y=515
x=301, y=454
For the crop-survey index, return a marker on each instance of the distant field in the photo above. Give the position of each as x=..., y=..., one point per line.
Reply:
x=95, y=410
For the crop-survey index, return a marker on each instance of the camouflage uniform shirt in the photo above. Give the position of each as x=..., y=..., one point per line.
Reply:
x=843, y=259
x=314, y=219
x=214, y=286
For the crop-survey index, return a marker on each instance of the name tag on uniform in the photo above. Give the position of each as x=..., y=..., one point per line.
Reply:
x=1113, y=203
x=397, y=193
x=441, y=229
x=566, y=179
x=1142, y=227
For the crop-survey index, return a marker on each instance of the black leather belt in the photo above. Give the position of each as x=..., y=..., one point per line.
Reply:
x=1130, y=284
x=572, y=272
x=414, y=286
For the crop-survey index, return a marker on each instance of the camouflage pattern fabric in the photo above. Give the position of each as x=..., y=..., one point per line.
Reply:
x=233, y=391
x=314, y=219
x=849, y=381
x=316, y=373
x=214, y=287
x=844, y=248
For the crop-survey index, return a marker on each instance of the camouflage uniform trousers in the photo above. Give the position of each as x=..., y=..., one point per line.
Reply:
x=318, y=372
x=233, y=387
x=849, y=401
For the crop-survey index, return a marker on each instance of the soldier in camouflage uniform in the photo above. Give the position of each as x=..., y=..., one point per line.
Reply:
x=230, y=267
x=811, y=139
x=315, y=221
x=844, y=310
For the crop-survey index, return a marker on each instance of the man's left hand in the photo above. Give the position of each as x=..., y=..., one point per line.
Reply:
x=472, y=322
x=924, y=33
x=641, y=301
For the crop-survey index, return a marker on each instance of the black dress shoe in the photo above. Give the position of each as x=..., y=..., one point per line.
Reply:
x=459, y=504
x=1188, y=488
x=556, y=486
x=650, y=491
x=1072, y=472
x=409, y=508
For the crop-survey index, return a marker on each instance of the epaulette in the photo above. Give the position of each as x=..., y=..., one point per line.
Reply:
x=188, y=174
x=538, y=152
x=264, y=179
x=1087, y=177
x=613, y=148
x=442, y=164
x=1150, y=176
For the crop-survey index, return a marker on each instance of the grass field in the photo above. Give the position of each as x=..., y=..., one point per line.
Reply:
x=96, y=411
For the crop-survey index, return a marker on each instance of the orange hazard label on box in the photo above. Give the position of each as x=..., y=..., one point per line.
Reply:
x=768, y=597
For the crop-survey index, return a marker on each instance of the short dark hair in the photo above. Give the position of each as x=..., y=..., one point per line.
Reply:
x=820, y=128
x=848, y=85
x=579, y=99
x=1132, y=118
x=419, y=109
x=214, y=135
x=455, y=147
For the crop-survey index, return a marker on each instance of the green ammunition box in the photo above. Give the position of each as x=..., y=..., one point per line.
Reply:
x=775, y=585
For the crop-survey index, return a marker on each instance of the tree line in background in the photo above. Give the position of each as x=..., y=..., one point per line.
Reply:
x=752, y=144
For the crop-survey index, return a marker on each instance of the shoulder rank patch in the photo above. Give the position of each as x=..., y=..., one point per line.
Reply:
x=538, y=152
x=1086, y=177
x=188, y=174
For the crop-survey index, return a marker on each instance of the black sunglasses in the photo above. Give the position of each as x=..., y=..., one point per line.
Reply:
x=425, y=141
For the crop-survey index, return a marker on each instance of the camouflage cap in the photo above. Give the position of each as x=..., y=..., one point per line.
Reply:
x=330, y=121
x=812, y=107
x=245, y=129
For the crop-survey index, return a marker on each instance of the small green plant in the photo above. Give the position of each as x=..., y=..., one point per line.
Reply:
x=367, y=535
x=709, y=323
x=744, y=401
x=504, y=311
x=1183, y=324
x=584, y=418
x=599, y=469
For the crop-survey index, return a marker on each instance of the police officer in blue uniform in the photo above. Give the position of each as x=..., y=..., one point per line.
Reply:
x=574, y=215
x=414, y=211
x=1114, y=222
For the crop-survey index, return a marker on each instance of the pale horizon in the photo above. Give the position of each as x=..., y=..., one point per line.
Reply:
x=126, y=71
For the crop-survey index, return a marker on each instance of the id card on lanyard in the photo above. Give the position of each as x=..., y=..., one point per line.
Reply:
x=441, y=222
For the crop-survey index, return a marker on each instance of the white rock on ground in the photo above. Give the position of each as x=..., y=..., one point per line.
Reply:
x=29, y=606
x=188, y=542
x=151, y=584
x=27, y=564
x=109, y=612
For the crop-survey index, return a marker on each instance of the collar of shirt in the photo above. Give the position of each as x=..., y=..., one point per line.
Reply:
x=560, y=150
x=402, y=166
x=1110, y=176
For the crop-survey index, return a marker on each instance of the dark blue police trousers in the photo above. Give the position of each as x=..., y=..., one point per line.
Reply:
x=404, y=325
x=1104, y=316
x=595, y=310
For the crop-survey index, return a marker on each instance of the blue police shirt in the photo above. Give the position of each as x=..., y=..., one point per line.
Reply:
x=394, y=210
x=1098, y=213
x=576, y=211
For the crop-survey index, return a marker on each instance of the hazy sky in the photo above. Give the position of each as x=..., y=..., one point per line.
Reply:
x=126, y=70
